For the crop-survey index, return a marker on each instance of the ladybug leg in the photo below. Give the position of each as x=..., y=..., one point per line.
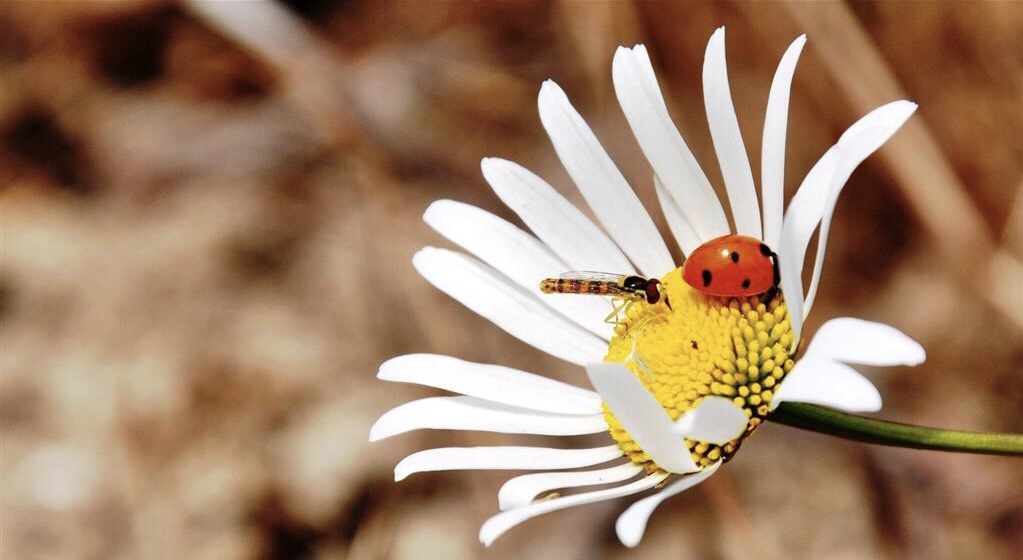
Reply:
x=777, y=270
x=777, y=277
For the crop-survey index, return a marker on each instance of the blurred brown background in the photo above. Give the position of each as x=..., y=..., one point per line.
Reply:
x=209, y=211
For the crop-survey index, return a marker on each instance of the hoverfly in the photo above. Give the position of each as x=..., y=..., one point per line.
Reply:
x=626, y=289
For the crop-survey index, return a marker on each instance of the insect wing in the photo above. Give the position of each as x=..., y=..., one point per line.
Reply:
x=590, y=276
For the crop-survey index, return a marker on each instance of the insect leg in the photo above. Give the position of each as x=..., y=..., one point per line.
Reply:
x=621, y=305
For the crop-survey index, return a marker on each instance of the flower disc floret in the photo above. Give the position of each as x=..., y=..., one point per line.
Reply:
x=732, y=347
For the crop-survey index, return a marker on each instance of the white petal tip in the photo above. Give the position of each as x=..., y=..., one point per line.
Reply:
x=623, y=50
x=716, y=420
x=493, y=165
x=629, y=540
x=629, y=532
x=551, y=96
x=488, y=535
x=431, y=211
x=914, y=353
x=903, y=109
x=420, y=254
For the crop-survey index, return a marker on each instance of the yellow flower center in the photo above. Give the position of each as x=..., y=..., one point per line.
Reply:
x=703, y=345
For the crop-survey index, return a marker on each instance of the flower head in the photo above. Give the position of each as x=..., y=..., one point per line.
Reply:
x=679, y=385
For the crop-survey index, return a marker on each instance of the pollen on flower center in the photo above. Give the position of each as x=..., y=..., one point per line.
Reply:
x=703, y=345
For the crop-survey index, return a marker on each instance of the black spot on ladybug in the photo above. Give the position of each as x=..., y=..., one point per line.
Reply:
x=745, y=283
x=765, y=250
x=694, y=345
x=707, y=277
x=735, y=257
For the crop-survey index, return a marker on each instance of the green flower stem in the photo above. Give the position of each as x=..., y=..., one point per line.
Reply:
x=870, y=430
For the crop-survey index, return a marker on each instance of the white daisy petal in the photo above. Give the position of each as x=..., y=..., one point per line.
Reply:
x=674, y=164
x=631, y=524
x=502, y=458
x=716, y=420
x=500, y=523
x=516, y=254
x=555, y=220
x=773, y=154
x=470, y=413
x=686, y=236
x=520, y=491
x=641, y=415
x=862, y=139
x=855, y=341
x=802, y=217
x=807, y=206
x=728, y=144
x=491, y=382
x=817, y=380
x=508, y=306
x=602, y=184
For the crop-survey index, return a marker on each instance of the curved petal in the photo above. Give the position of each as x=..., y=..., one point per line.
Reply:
x=772, y=170
x=508, y=306
x=862, y=139
x=470, y=413
x=516, y=254
x=500, y=523
x=631, y=524
x=555, y=220
x=855, y=341
x=716, y=420
x=685, y=234
x=801, y=219
x=817, y=380
x=807, y=206
x=662, y=144
x=502, y=458
x=642, y=416
x=602, y=184
x=491, y=382
x=520, y=491
x=724, y=131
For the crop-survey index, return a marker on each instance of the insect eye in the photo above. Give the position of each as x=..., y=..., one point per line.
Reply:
x=653, y=291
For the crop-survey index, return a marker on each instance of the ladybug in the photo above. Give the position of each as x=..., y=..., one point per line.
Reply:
x=732, y=266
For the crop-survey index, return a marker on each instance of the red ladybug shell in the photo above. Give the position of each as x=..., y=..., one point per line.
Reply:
x=731, y=265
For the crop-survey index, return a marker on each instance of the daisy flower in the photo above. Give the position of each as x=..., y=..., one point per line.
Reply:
x=680, y=382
